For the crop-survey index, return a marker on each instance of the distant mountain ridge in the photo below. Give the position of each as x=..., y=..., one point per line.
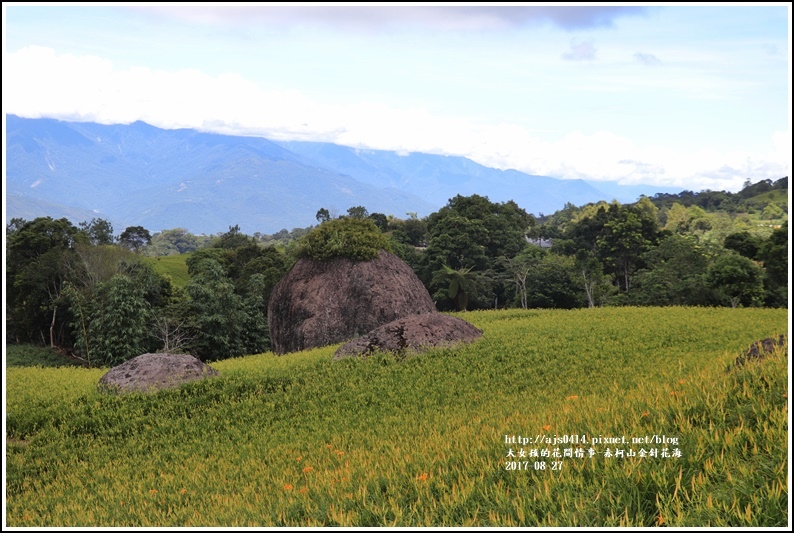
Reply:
x=138, y=174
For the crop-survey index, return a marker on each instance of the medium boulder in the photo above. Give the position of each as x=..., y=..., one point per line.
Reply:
x=412, y=334
x=155, y=371
x=324, y=302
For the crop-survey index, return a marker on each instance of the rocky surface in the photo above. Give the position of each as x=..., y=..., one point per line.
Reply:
x=411, y=335
x=758, y=350
x=324, y=302
x=155, y=371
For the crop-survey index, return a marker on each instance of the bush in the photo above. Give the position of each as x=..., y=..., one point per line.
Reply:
x=357, y=239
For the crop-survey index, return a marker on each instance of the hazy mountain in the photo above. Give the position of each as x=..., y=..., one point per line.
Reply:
x=141, y=175
x=438, y=178
x=138, y=174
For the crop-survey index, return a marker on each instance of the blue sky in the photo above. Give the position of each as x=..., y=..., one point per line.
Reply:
x=690, y=96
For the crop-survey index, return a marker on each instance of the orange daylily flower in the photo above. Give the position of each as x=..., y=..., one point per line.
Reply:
x=307, y=469
x=572, y=397
x=183, y=491
x=287, y=487
x=547, y=427
x=153, y=491
x=423, y=476
x=339, y=452
x=303, y=490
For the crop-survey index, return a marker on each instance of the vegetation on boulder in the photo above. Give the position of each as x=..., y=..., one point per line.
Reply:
x=358, y=239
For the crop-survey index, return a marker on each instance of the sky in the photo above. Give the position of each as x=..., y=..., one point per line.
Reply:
x=688, y=96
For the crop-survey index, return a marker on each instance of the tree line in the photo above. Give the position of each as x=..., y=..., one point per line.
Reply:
x=96, y=296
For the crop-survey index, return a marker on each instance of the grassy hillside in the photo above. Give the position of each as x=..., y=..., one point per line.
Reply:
x=173, y=266
x=433, y=440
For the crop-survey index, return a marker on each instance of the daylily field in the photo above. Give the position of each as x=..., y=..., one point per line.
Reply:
x=453, y=437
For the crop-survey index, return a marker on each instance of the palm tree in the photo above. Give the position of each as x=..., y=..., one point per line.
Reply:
x=462, y=283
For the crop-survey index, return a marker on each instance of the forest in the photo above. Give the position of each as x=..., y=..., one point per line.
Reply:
x=103, y=298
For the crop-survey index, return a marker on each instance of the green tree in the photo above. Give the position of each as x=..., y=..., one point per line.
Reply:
x=590, y=274
x=744, y=243
x=517, y=270
x=175, y=241
x=737, y=280
x=625, y=236
x=37, y=252
x=358, y=211
x=322, y=215
x=135, y=238
x=460, y=284
x=553, y=283
x=774, y=254
x=380, y=220
x=675, y=274
x=98, y=231
x=216, y=311
x=113, y=325
x=772, y=212
x=354, y=238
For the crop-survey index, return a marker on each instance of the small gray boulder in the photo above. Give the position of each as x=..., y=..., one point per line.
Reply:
x=155, y=371
x=410, y=335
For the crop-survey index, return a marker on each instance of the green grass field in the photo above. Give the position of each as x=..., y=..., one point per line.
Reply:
x=173, y=266
x=300, y=440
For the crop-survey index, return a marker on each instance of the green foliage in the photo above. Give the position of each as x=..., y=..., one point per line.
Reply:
x=98, y=231
x=422, y=442
x=554, y=283
x=28, y=355
x=774, y=254
x=323, y=215
x=358, y=211
x=737, y=280
x=224, y=323
x=113, y=325
x=353, y=238
x=772, y=212
x=461, y=284
x=135, y=238
x=675, y=274
x=37, y=254
x=744, y=243
x=175, y=241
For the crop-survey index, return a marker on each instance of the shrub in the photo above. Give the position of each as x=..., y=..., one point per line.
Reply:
x=357, y=239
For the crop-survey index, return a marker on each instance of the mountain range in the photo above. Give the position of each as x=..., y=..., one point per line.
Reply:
x=140, y=175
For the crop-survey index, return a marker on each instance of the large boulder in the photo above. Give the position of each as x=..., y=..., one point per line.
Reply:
x=324, y=302
x=411, y=335
x=155, y=371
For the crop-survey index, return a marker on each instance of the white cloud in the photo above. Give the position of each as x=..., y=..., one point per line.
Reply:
x=647, y=59
x=369, y=17
x=41, y=83
x=580, y=51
